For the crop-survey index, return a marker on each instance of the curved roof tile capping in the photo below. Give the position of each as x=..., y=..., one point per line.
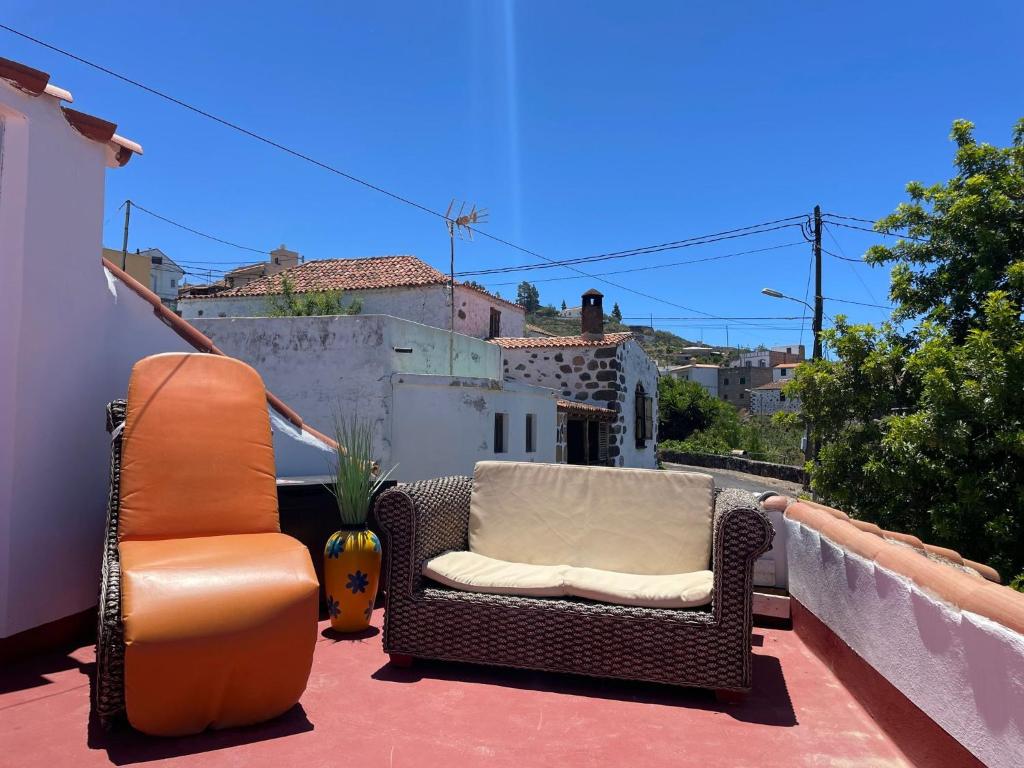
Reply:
x=37, y=83
x=965, y=584
x=608, y=340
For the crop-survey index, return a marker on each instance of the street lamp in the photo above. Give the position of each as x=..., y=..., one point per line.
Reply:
x=810, y=452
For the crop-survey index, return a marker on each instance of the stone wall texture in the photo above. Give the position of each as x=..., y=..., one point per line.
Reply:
x=737, y=464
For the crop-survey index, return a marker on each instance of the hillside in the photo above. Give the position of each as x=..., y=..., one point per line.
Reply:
x=662, y=346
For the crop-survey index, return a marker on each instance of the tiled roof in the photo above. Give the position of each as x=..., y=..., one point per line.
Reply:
x=586, y=409
x=773, y=385
x=37, y=83
x=608, y=340
x=788, y=365
x=366, y=274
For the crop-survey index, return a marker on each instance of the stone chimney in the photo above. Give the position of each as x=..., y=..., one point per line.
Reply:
x=282, y=258
x=592, y=315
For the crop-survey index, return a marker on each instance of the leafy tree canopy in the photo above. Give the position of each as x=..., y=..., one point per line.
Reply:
x=923, y=431
x=291, y=304
x=616, y=313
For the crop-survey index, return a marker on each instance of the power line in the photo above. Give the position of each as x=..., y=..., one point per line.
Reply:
x=858, y=303
x=640, y=251
x=196, y=231
x=655, y=317
x=856, y=274
x=850, y=218
x=656, y=266
x=876, y=232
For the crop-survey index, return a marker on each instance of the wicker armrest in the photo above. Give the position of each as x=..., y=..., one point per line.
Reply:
x=740, y=535
x=422, y=520
x=109, y=688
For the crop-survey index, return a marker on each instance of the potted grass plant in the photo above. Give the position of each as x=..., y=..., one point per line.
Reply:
x=352, y=555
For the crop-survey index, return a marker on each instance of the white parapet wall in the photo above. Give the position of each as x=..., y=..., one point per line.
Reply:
x=965, y=671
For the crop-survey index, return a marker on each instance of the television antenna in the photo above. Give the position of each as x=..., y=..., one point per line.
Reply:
x=460, y=225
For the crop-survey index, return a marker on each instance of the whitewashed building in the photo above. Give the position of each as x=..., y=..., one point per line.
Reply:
x=433, y=413
x=607, y=387
x=700, y=373
x=71, y=328
x=400, y=286
x=165, y=276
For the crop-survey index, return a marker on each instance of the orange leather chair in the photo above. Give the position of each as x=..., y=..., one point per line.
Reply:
x=217, y=608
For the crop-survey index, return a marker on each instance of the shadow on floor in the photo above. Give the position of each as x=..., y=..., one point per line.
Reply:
x=768, y=703
x=340, y=637
x=34, y=671
x=126, y=746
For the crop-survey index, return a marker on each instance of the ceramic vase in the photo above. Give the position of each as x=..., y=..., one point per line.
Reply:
x=351, y=575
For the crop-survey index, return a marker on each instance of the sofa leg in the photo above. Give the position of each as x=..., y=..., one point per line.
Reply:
x=730, y=697
x=401, y=660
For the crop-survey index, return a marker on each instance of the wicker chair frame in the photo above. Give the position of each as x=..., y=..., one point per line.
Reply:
x=108, y=699
x=705, y=648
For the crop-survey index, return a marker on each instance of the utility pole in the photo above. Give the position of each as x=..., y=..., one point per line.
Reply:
x=810, y=445
x=816, y=353
x=124, y=243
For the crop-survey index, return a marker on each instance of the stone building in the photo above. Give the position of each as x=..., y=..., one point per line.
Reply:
x=769, y=398
x=607, y=412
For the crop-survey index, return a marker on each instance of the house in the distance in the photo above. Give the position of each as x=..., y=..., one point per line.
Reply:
x=701, y=373
x=764, y=357
x=607, y=385
x=399, y=286
x=280, y=259
x=153, y=268
x=769, y=398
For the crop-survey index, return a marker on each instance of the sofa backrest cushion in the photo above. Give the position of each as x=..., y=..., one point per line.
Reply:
x=197, y=457
x=628, y=520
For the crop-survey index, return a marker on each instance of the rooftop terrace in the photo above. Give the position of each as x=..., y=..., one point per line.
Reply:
x=800, y=713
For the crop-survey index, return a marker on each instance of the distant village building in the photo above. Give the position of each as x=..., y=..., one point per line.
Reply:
x=769, y=398
x=280, y=259
x=736, y=381
x=573, y=313
x=689, y=354
x=607, y=385
x=700, y=373
x=153, y=268
x=768, y=358
x=399, y=286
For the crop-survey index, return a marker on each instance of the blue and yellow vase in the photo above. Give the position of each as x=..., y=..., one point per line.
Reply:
x=351, y=576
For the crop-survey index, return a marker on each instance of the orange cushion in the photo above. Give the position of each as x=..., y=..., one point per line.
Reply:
x=219, y=630
x=197, y=455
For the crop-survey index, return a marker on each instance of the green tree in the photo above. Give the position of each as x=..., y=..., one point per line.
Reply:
x=290, y=303
x=528, y=297
x=923, y=431
x=616, y=313
x=564, y=305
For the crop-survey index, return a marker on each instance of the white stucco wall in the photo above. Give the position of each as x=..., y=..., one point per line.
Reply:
x=69, y=335
x=962, y=670
x=602, y=376
x=446, y=425
x=706, y=376
x=428, y=305
x=323, y=366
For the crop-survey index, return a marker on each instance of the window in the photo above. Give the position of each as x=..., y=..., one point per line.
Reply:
x=531, y=427
x=743, y=380
x=644, y=405
x=763, y=364
x=495, y=329
x=500, y=432
x=727, y=382
x=782, y=397
x=785, y=372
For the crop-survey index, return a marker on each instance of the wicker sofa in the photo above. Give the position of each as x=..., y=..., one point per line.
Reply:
x=706, y=646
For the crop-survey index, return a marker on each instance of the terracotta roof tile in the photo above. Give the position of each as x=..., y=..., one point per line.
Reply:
x=365, y=274
x=608, y=340
x=773, y=385
x=586, y=409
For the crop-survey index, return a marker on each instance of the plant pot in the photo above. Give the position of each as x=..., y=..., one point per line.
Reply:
x=351, y=576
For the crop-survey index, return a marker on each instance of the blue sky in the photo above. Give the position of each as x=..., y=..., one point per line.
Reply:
x=584, y=127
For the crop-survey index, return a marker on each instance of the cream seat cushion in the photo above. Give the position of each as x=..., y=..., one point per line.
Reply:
x=638, y=521
x=473, y=572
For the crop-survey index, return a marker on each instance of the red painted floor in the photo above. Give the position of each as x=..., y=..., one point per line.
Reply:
x=358, y=711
